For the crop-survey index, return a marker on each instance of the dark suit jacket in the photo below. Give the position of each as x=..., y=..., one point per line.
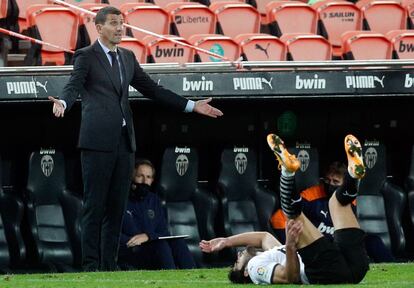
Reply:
x=103, y=105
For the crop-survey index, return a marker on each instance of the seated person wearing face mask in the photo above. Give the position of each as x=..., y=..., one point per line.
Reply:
x=316, y=208
x=144, y=221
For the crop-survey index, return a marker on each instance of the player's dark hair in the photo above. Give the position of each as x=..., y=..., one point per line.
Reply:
x=238, y=277
x=105, y=11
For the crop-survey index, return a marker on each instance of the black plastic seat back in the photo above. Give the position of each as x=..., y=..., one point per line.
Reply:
x=380, y=203
x=45, y=188
x=308, y=174
x=188, y=211
x=245, y=206
x=4, y=249
x=375, y=161
x=11, y=211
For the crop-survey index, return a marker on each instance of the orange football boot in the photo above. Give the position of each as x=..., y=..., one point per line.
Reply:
x=356, y=167
x=289, y=161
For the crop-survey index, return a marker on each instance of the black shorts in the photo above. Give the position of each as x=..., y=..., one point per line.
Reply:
x=342, y=261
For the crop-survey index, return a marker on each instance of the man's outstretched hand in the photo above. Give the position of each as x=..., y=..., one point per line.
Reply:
x=202, y=107
x=58, y=108
x=213, y=245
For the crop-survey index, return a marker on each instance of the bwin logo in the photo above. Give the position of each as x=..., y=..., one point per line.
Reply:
x=406, y=47
x=47, y=164
x=203, y=85
x=181, y=164
x=363, y=81
x=240, y=150
x=314, y=83
x=169, y=52
x=182, y=150
x=371, y=156
x=240, y=161
x=409, y=81
x=304, y=159
x=251, y=83
x=326, y=229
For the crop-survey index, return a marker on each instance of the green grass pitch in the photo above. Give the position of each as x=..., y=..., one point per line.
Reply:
x=380, y=275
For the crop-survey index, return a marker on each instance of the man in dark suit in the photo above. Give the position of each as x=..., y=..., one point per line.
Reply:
x=101, y=74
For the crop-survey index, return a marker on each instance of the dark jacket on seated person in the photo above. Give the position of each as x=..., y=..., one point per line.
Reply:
x=145, y=214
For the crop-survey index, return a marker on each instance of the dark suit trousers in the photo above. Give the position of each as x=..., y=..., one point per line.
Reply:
x=107, y=179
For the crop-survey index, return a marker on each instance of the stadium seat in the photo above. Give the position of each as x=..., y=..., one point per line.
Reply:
x=118, y=3
x=146, y=16
x=335, y=18
x=307, y=47
x=135, y=46
x=409, y=6
x=4, y=5
x=190, y=210
x=190, y=18
x=163, y=51
x=209, y=2
x=40, y=18
x=291, y=17
x=218, y=44
x=9, y=15
x=410, y=199
x=382, y=16
x=50, y=210
x=4, y=248
x=234, y=18
x=87, y=29
x=261, y=8
x=12, y=248
x=164, y=3
x=365, y=45
x=82, y=2
x=261, y=47
x=380, y=203
x=245, y=205
x=23, y=5
x=308, y=174
x=403, y=43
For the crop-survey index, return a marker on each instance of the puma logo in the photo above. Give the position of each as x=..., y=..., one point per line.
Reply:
x=324, y=213
x=268, y=82
x=39, y=84
x=296, y=201
x=129, y=213
x=380, y=81
x=349, y=195
x=258, y=47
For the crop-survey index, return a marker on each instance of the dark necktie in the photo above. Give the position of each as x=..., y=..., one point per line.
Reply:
x=115, y=70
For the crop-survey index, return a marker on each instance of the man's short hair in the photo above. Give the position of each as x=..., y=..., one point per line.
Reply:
x=105, y=11
x=143, y=161
x=237, y=276
x=336, y=168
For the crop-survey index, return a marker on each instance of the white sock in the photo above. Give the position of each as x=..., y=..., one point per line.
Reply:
x=287, y=173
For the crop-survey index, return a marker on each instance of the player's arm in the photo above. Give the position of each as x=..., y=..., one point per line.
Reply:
x=290, y=273
x=262, y=240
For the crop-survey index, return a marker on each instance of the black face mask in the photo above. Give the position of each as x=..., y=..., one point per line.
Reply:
x=140, y=192
x=330, y=189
